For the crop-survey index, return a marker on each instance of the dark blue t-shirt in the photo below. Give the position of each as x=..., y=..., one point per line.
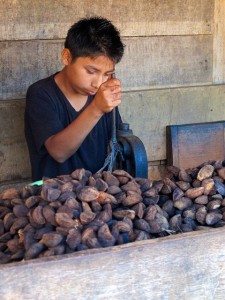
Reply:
x=47, y=112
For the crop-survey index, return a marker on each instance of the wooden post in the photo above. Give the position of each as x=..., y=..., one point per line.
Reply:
x=219, y=43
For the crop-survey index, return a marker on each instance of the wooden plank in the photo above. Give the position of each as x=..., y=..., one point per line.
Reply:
x=190, y=145
x=219, y=42
x=149, y=112
x=52, y=19
x=24, y=62
x=14, y=162
x=172, y=149
x=185, y=266
x=14, y=159
x=163, y=62
x=166, y=62
x=157, y=172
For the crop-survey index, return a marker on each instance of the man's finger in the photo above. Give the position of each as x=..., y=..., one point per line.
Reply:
x=112, y=82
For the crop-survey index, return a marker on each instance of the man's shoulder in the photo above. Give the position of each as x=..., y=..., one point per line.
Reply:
x=43, y=92
x=42, y=83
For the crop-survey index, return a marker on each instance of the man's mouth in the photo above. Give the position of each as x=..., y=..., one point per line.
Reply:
x=91, y=93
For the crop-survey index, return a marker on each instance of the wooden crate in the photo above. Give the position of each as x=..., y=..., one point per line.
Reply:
x=183, y=266
x=190, y=145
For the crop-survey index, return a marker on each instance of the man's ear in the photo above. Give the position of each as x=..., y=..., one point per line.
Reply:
x=66, y=56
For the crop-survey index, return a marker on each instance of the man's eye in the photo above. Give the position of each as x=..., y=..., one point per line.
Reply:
x=90, y=72
x=110, y=75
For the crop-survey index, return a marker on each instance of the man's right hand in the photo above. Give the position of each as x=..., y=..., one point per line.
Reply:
x=108, y=95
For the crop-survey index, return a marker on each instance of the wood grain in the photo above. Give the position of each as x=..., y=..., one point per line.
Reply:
x=24, y=62
x=190, y=145
x=25, y=20
x=219, y=42
x=166, y=61
x=185, y=266
x=14, y=159
x=149, y=112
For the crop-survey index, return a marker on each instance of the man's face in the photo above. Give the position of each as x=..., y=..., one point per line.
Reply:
x=85, y=75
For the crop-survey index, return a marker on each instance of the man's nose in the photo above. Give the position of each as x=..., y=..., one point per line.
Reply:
x=97, y=81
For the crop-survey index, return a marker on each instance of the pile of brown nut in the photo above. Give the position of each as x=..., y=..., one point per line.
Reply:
x=84, y=211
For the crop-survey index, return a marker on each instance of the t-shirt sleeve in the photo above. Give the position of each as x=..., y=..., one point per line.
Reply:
x=41, y=115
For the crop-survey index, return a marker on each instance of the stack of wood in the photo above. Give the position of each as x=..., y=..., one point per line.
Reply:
x=84, y=211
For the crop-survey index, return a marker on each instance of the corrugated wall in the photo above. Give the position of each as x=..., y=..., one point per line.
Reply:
x=173, y=71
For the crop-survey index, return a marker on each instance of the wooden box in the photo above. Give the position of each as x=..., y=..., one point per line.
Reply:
x=189, y=145
x=183, y=266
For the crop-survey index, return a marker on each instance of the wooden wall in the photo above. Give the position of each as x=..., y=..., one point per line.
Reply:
x=173, y=70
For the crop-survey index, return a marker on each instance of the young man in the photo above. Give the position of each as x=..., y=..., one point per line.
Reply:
x=68, y=116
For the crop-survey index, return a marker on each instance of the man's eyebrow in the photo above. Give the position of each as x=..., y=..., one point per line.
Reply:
x=96, y=69
x=92, y=67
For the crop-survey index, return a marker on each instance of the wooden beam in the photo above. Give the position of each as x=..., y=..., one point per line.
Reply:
x=25, y=20
x=219, y=42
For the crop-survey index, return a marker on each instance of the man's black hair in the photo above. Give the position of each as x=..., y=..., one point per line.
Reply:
x=93, y=37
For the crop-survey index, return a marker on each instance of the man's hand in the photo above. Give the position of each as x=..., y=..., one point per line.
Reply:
x=108, y=95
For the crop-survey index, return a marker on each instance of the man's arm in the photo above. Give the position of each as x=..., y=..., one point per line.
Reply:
x=66, y=142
